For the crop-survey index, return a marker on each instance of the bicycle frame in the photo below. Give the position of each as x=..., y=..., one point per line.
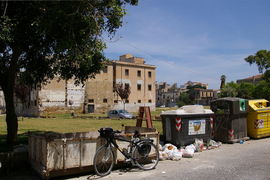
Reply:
x=112, y=141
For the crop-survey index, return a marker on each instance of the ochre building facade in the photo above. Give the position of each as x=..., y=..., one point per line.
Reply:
x=100, y=95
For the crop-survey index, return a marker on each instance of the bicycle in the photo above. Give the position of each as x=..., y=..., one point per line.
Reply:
x=141, y=152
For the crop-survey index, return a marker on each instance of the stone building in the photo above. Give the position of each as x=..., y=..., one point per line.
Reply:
x=204, y=96
x=167, y=95
x=25, y=101
x=131, y=71
x=61, y=93
x=253, y=79
x=98, y=94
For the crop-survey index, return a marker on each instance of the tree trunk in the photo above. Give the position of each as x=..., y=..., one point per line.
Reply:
x=8, y=85
x=11, y=117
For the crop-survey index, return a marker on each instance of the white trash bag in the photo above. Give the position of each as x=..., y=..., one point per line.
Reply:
x=163, y=155
x=188, y=152
x=177, y=155
x=171, y=152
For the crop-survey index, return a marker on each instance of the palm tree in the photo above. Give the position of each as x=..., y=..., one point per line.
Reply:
x=222, y=83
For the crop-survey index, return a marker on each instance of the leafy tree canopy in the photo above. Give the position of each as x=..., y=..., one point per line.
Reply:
x=41, y=39
x=184, y=99
x=230, y=90
x=245, y=90
x=222, y=81
x=191, y=91
x=261, y=59
x=262, y=90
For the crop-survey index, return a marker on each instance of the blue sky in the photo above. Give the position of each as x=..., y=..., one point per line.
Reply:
x=197, y=40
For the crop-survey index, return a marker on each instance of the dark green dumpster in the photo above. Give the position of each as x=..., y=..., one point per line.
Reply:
x=230, y=122
x=182, y=126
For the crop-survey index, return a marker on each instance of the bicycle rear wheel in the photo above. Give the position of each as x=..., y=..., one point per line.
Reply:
x=145, y=155
x=103, y=160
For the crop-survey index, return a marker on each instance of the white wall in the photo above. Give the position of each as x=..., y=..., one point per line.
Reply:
x=2, y=103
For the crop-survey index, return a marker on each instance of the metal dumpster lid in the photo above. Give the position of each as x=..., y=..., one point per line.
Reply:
x=189, y=109
x=228, y=99
x=259, y=105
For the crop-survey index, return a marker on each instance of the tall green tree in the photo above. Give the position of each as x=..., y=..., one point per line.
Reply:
x=261, y=59
x=262, y=90
x=41, y=39
x=245, y=90
x=230, y=90
x=184, y=99
x=222, y=81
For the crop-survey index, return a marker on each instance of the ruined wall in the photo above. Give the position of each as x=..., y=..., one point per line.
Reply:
x=2, y=103
x=29, y=107
x=53, y=94
x=61, y=94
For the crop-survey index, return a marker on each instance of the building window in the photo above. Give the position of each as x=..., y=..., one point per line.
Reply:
x=127, y=101
x=149, y=74
x=105, y=69
x=126, y=85
x=139, y=73
x=126, y=72
x=91, y=100
x=149, y=87
x=115, y=101
x=105, y=100
x=139, y=101
x=139, y=87
x=149, y=100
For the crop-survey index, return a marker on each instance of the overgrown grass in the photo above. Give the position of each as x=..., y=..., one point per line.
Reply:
x=64, y=123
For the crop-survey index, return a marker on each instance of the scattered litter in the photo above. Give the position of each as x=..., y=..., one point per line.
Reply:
x=241, y=142
x=163, y=172
x=189, y=151
x=199, y=145
x=213, y=144
x=171, y=152
x=159, y=147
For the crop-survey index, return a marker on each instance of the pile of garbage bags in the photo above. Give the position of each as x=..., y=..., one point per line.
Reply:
x=170, y=152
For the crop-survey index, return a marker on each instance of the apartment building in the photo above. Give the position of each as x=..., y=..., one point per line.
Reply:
x=204, y=96
x=167, y=95
x=100, y=94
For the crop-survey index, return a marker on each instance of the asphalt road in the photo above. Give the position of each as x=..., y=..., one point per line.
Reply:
x=250, y=160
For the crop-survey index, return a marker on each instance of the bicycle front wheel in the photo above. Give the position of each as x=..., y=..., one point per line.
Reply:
x=103, y=160
x=145, y=155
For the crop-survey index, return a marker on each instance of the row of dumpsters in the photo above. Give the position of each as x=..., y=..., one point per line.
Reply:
x=228, y=120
